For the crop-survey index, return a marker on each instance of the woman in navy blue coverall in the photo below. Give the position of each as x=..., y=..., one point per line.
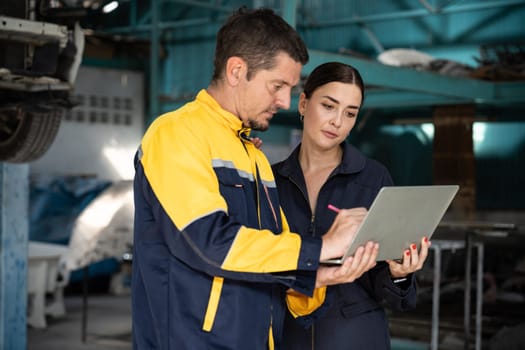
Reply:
x=325, y=169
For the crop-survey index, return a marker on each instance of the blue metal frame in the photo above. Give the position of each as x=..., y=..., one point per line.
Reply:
x=410, y=14
x=410, y=84
x=14, y=233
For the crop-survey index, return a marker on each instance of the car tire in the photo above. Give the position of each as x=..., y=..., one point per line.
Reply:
x=27, y=132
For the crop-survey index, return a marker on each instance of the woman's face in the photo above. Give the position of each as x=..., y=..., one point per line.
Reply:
x=330, y=113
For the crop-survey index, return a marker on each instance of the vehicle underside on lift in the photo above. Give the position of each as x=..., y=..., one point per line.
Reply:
x=41, y=45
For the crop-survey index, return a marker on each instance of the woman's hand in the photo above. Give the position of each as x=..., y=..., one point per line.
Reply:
x=257, y=142
x=412, y=260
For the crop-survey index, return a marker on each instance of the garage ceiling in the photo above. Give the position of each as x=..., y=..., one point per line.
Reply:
x=356, y=32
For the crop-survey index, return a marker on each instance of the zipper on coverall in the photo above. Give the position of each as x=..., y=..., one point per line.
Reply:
x=311, y=230
x=255, y=169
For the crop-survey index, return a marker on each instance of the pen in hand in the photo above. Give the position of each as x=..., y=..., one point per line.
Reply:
x=333, y=208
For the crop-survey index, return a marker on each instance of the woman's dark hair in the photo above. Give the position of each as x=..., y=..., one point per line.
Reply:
x=333, y=72
x=257, y=36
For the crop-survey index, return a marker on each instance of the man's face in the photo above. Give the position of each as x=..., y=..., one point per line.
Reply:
x=267, y=92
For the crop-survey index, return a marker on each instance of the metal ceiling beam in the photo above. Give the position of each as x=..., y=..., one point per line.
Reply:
x=192, y=22
x=509, y=92
x=481, y=24
x=144, y=18
x=206, y=5
x=133, y=12
x=401, y=99
x=142, y=25
x=505, y=94
x=290, y=12
x=408, y=14
x=411, y=80
x=374, y=40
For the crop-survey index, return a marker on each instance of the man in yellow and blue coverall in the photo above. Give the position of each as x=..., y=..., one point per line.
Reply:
x=215, y=264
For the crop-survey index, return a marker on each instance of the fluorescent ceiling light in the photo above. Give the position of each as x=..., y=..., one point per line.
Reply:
x=110, y=6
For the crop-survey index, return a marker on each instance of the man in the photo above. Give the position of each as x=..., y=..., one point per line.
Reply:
x=214, y=259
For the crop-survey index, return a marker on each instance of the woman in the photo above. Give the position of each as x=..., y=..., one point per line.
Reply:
x=325, y=169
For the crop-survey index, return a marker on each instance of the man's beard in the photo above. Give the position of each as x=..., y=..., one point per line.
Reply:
x=255, y=125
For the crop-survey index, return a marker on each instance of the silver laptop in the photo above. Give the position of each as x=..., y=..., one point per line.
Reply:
x=400, y=216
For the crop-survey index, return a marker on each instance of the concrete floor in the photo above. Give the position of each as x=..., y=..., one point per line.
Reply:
x=108, y=326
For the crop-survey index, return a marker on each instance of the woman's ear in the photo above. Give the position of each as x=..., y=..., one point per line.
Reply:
x=301, y=106
x=235, y=69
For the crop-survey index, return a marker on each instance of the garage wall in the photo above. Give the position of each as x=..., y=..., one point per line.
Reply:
x=100, y=135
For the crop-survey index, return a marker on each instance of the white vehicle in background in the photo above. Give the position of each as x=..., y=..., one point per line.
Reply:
x=41, y=46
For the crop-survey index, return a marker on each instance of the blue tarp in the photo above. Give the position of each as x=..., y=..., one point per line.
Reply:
x=55, y=202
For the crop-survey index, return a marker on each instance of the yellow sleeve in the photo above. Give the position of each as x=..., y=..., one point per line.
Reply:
x=302, y=305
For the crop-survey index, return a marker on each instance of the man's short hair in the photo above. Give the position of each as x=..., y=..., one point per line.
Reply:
x=257, y=36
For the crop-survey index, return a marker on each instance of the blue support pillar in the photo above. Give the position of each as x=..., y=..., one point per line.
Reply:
x=14, y=228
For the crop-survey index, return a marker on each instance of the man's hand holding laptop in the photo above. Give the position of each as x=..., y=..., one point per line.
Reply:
x=336, y=242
